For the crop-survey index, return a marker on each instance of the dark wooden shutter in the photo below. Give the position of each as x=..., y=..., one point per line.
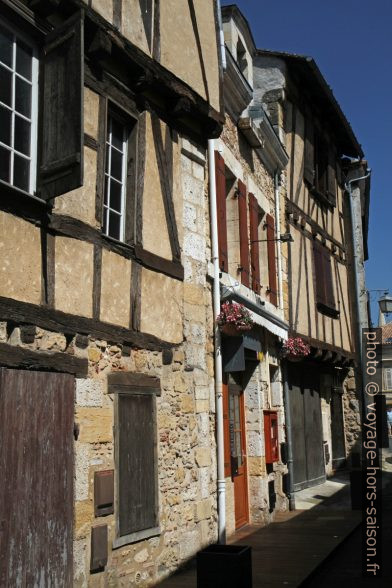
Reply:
x=226, y=430
x=136, y=463
x=243, y=227
x=254, y=247
x=328, y=281
x=323, y=276
x=37, y=474
x=221, y=210
x=331, y=177
x=61, y=168
x=309, y=167
x=319, y=272
x=273, y=291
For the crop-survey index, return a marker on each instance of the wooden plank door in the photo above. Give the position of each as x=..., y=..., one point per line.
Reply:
x=307, y=436
x=238, y=454
x=315, y=463
x=36, y=472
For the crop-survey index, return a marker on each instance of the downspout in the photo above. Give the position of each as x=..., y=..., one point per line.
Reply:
x=217, y=355
x=221, y=36
x=279, y=245
x=348, y=187
x=289, y=436
x=286, y=392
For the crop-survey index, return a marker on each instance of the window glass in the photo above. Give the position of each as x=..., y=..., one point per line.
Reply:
x=17, y=91
x=115, y=179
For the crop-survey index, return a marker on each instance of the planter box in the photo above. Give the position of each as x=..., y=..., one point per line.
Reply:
x=225, y=566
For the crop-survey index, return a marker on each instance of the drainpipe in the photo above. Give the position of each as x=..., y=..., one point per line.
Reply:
x=221, y=35
x=289, y=436
x=277, y=222
x=218, y=356
x=348, y=187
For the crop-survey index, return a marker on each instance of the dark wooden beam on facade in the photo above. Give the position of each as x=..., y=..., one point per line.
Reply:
x=21, y=313
x=125, y=381
x=19, y=357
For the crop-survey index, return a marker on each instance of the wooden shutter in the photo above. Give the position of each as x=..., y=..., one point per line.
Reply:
x=136, y=463
x=323, y=276
x=319, y=272
x=331, y=177
x=328, y=281
x=254, y=247
x=226, y=430
x=309, y=171
x=61, y=168
x=273, y=291
x=221, y=210
x=243, y=226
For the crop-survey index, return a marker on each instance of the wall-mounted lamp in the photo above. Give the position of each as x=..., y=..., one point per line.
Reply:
x=284, y=238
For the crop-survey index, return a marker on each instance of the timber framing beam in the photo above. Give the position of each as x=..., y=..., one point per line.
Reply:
x=19, y=357
x=49, y=319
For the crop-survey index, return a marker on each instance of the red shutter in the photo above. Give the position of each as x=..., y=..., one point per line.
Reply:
x=271, y=437
x=243, y=222
x=226, y=430
x=221, y=210
x=273, y=291
x=254, y=247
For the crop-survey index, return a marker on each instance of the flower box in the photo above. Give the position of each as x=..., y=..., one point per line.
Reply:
x=234, y=319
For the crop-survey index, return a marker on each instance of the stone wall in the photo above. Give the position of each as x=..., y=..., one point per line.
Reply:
x=352, y=412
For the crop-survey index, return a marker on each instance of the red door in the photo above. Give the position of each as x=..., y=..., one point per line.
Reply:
x=238, y=453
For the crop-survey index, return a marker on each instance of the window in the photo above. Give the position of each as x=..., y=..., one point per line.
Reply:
x=136, y=455
x=18, y=111
x=320, y=163
x=58, y=105
x=325, y=299
x=120, y=149
x=388, y=378
x=115, y=179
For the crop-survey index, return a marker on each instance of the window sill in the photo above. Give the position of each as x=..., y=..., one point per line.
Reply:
x=137, y=536
x=327, y=310
x=21, y=203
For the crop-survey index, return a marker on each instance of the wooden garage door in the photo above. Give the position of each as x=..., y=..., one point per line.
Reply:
x=36, y=473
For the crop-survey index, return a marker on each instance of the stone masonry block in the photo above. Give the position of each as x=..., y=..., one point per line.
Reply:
x=95, y=425
x=203, y=456
x=203, y=510
x=89, y=392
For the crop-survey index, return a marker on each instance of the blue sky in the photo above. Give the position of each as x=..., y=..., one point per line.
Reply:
x=351, y=43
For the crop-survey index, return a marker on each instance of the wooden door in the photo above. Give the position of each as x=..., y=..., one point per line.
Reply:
x=307, y=434
x=238, y=454
x=36, y=473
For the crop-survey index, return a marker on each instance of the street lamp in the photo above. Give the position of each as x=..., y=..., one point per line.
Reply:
x=385, y=304
x=284, y=238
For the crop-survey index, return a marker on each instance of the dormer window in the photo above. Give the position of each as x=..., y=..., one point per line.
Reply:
x=241, y=58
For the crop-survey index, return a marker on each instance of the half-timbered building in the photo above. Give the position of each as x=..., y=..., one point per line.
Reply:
x=249, y=159
x=107, y=450
x=320, y=264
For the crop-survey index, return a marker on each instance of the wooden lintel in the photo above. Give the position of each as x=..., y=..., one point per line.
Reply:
x=130, y=381
x=61, y=322
x=19, y=357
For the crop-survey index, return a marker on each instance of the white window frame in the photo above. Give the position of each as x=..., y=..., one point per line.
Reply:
x=109, y=146
x=17, y=34
x=388, y=378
